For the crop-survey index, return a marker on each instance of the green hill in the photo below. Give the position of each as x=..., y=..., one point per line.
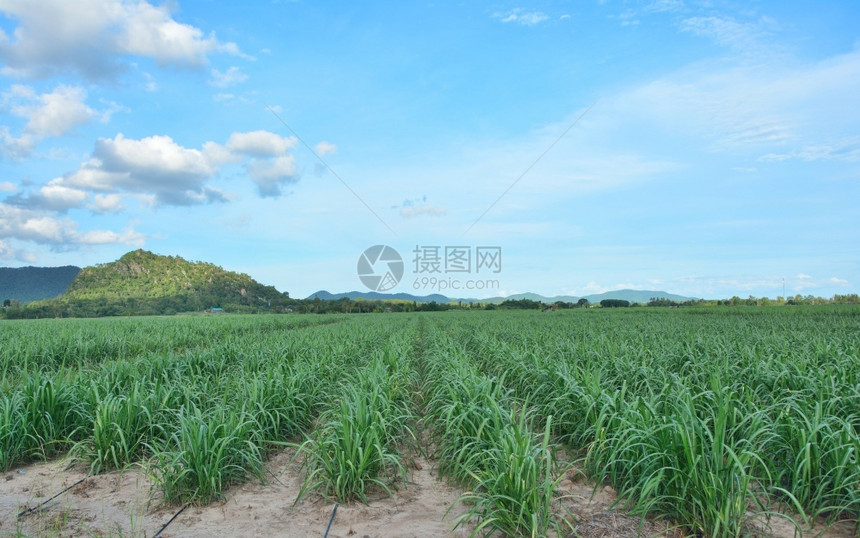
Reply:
x=26, y=284
x=141, y=283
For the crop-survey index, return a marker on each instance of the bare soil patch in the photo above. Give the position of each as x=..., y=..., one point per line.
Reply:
x=125, y=504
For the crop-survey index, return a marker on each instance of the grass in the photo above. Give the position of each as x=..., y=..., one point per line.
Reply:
x=207, y=453
x=355, y=448
x=705, y=416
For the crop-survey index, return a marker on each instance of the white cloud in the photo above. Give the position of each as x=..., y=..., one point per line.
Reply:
x=846, y=149
x=90, y=37
x=158, y=157
x=271, y=175
x=324, y=148
x=218, y=154
x=232, y=76
x=8, y=186
x=106, y=203
x=36, y=226
x=56, y=196
x=151, y=32
x=48, y=115
x=16, y=147
x=7, y=252
x=53, y=196
x=592, y=288
x=155, y=164
x=423, y=209
x=741, y=36
x=56, y=113
x=107, y=237
x=259, y=143
x=630, y=16
x=521, y=17
x=661, y=6
x=160, y=171
x=151, y=85
x=777, y=109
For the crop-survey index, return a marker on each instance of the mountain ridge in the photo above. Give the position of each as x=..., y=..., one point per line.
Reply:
x=634, y=296
x=28, y=284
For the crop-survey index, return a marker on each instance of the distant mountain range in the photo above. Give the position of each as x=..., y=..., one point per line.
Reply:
x=637, y=296
x=634, y=296
x=27, y=284
x=143, y=282
x=323, y=295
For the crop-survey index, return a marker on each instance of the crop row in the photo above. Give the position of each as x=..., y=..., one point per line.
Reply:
x=486, y=443
x=705, y=419
x=692, y=423
x=200, y=419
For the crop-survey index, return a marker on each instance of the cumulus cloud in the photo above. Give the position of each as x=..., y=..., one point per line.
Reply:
x=155, y=164
x=271, y=175
x=155, y=159
x=48, y=115
x=8, y=186
x=104, y=204
x=259, y=143
x=56, y=113
x=90, y=37
x=59, y=197
x=159, y=171
x=41, y=227
x=108, y=237
x=521, y=17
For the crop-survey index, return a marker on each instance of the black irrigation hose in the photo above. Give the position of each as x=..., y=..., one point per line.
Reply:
x=176, y=515
x=35, y=508
x=330, y=521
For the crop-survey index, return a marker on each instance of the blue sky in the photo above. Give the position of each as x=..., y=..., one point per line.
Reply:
x=704, y=148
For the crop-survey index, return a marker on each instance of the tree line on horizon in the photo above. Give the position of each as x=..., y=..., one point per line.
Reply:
x=90, y=307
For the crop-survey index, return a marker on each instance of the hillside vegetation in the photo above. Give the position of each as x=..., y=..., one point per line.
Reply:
x=26, y=284
x=141, y=282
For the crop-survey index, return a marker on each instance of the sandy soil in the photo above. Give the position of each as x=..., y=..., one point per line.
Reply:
x=124, y=504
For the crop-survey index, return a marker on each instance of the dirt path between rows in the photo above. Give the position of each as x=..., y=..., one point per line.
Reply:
x=124, y=504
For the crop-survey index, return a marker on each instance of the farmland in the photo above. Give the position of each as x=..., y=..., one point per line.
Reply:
x=706, y=419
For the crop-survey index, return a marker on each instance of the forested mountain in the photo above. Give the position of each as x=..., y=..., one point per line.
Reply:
x=142, y=283
x=25, y=284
